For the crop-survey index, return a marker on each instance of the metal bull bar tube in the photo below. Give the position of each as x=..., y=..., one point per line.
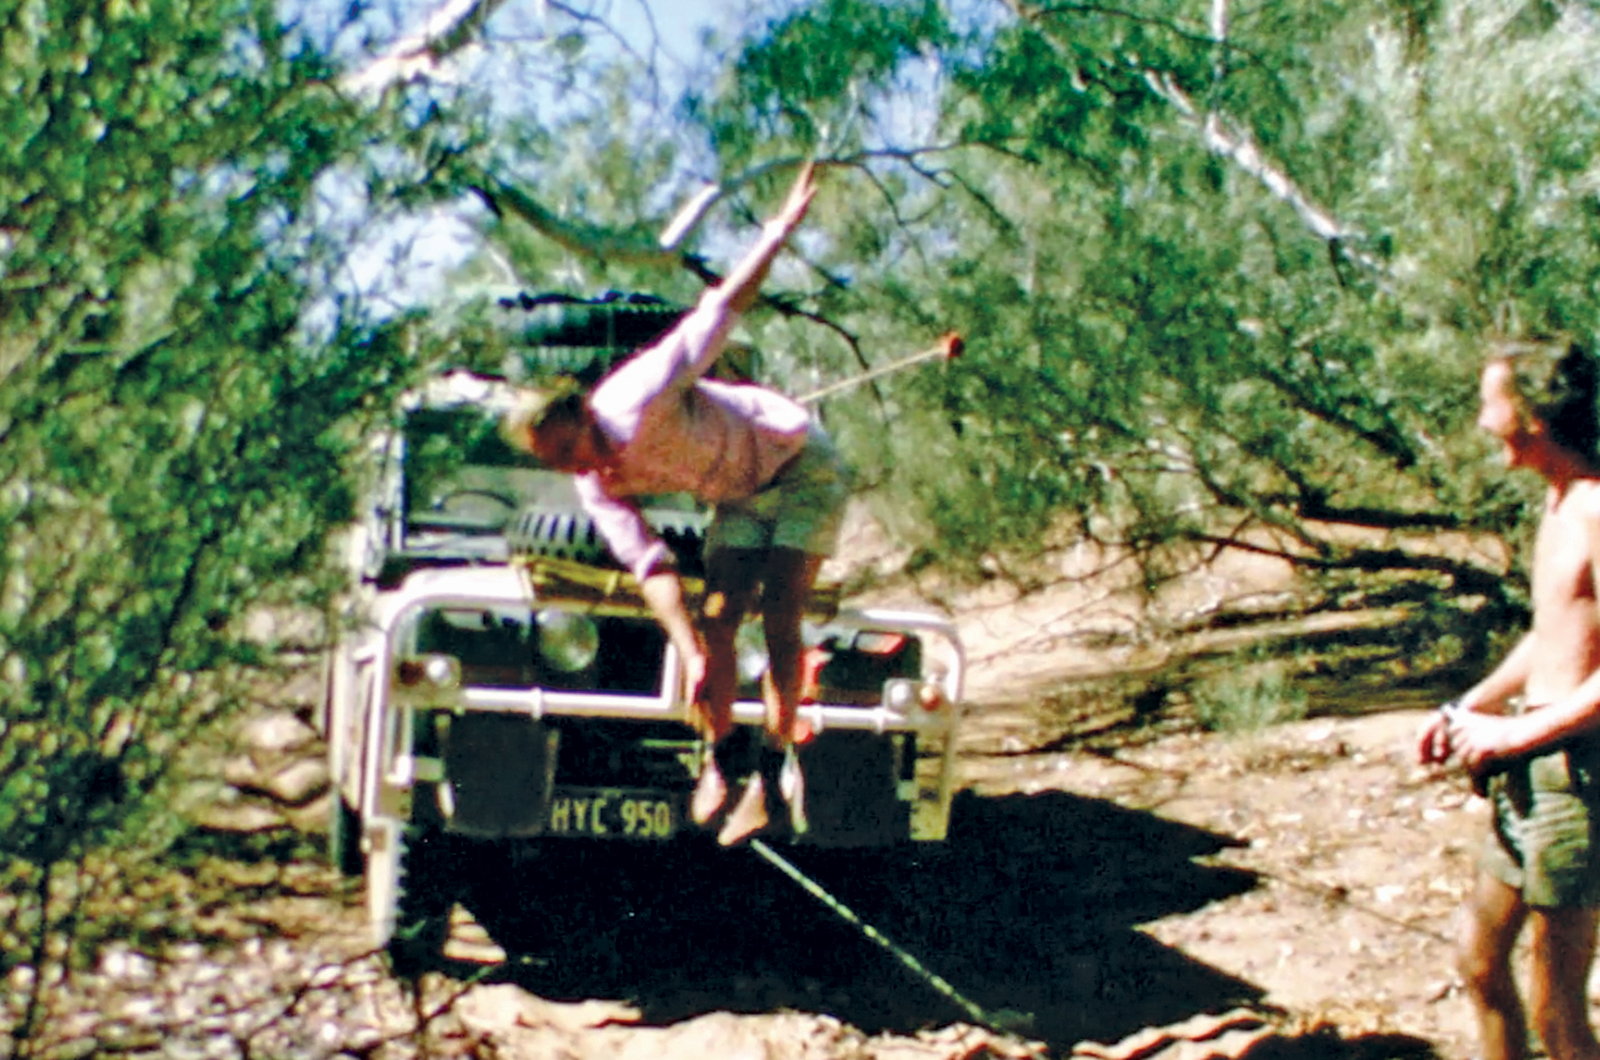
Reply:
x=1002, y=1022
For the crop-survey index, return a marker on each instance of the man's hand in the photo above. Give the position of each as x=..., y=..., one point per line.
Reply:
x=1433, y=742
x=663, y=591
x=694, y=674
x=1479, y=740
x=739, y=288
x=1486, y=744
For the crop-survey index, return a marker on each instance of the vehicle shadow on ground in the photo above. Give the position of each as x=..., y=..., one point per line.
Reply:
x=1030, y=907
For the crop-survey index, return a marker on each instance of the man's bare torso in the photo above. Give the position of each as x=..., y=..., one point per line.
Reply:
x=1566, y=620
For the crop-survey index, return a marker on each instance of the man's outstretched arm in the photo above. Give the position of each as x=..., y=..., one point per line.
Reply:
x=663, y=592
x=739, y=288
x=689, y=350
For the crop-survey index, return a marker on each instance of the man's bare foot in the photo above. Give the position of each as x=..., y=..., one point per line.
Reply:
x=748, y=816
x=792, y=785
x=709, y=793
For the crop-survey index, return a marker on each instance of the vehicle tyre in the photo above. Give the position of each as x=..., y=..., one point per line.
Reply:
x=422, y=913
x=344, y=837
x=408, y=895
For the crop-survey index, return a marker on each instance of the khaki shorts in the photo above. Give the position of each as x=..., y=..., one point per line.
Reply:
x=802, y=508
x=1543, y=840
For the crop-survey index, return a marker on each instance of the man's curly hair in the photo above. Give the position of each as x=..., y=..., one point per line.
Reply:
x=1557, y=383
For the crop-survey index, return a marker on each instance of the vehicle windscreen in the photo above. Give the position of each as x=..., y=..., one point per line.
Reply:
x=461, y=476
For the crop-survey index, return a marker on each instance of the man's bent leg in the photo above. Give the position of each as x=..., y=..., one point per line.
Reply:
x=1563, y=944
x=786, y=586
x=1495, y=914
x=731, y=579
x=732, y=575
x=787, y=581
x=789, y=577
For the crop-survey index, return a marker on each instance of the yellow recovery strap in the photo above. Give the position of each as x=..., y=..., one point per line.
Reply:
x=616, y=592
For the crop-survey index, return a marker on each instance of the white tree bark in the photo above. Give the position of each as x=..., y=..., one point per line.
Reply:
x=1225, y=137
x=429, y=53
x=432, y=53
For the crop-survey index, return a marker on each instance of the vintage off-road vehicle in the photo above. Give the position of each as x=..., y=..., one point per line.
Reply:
x=500, y=679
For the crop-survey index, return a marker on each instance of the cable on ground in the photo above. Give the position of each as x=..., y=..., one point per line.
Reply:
x=1002, y=1022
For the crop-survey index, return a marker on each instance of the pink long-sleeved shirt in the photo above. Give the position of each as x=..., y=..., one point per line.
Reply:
x=673, y=431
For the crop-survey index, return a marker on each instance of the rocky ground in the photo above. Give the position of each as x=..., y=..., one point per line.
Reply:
x=1298, y=884
x=1117, y=884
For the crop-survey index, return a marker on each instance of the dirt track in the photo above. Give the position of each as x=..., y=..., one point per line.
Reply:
x=1308, y=875
x=1350, y=864
x=1108, y=870
x=1311, y=870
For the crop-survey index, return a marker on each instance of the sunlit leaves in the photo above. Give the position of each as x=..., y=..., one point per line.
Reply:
x=1117, y=221
x=174, y=448
x=815, y=65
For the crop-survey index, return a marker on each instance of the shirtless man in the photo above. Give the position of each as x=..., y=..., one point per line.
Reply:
x=655, y=425
x=1540, y=765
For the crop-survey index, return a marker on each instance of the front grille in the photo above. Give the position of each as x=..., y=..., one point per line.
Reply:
x=502, y=650
x=659, y=755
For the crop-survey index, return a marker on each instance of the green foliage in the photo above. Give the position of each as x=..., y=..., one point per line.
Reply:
x=810, y=65
x=1133, y=224
x=175, y=436
x=1220, y=285
x=1216, y=290
x=1249, y=697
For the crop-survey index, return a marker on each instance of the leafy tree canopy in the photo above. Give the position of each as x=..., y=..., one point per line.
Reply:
x=1223, y=272
x=180, y=391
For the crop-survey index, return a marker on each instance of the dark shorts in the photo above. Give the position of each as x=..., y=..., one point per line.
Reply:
x=802, y=508
x=1543, y=840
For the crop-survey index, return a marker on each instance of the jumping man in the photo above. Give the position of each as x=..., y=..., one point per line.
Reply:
x=655, y=425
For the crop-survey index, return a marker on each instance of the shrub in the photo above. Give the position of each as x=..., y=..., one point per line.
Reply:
x=1249, y=697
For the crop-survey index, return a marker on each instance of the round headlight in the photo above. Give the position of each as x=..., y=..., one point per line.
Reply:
x=567, y=641
x=440, y=670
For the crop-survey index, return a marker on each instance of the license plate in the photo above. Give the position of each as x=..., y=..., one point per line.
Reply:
x=611, y=813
